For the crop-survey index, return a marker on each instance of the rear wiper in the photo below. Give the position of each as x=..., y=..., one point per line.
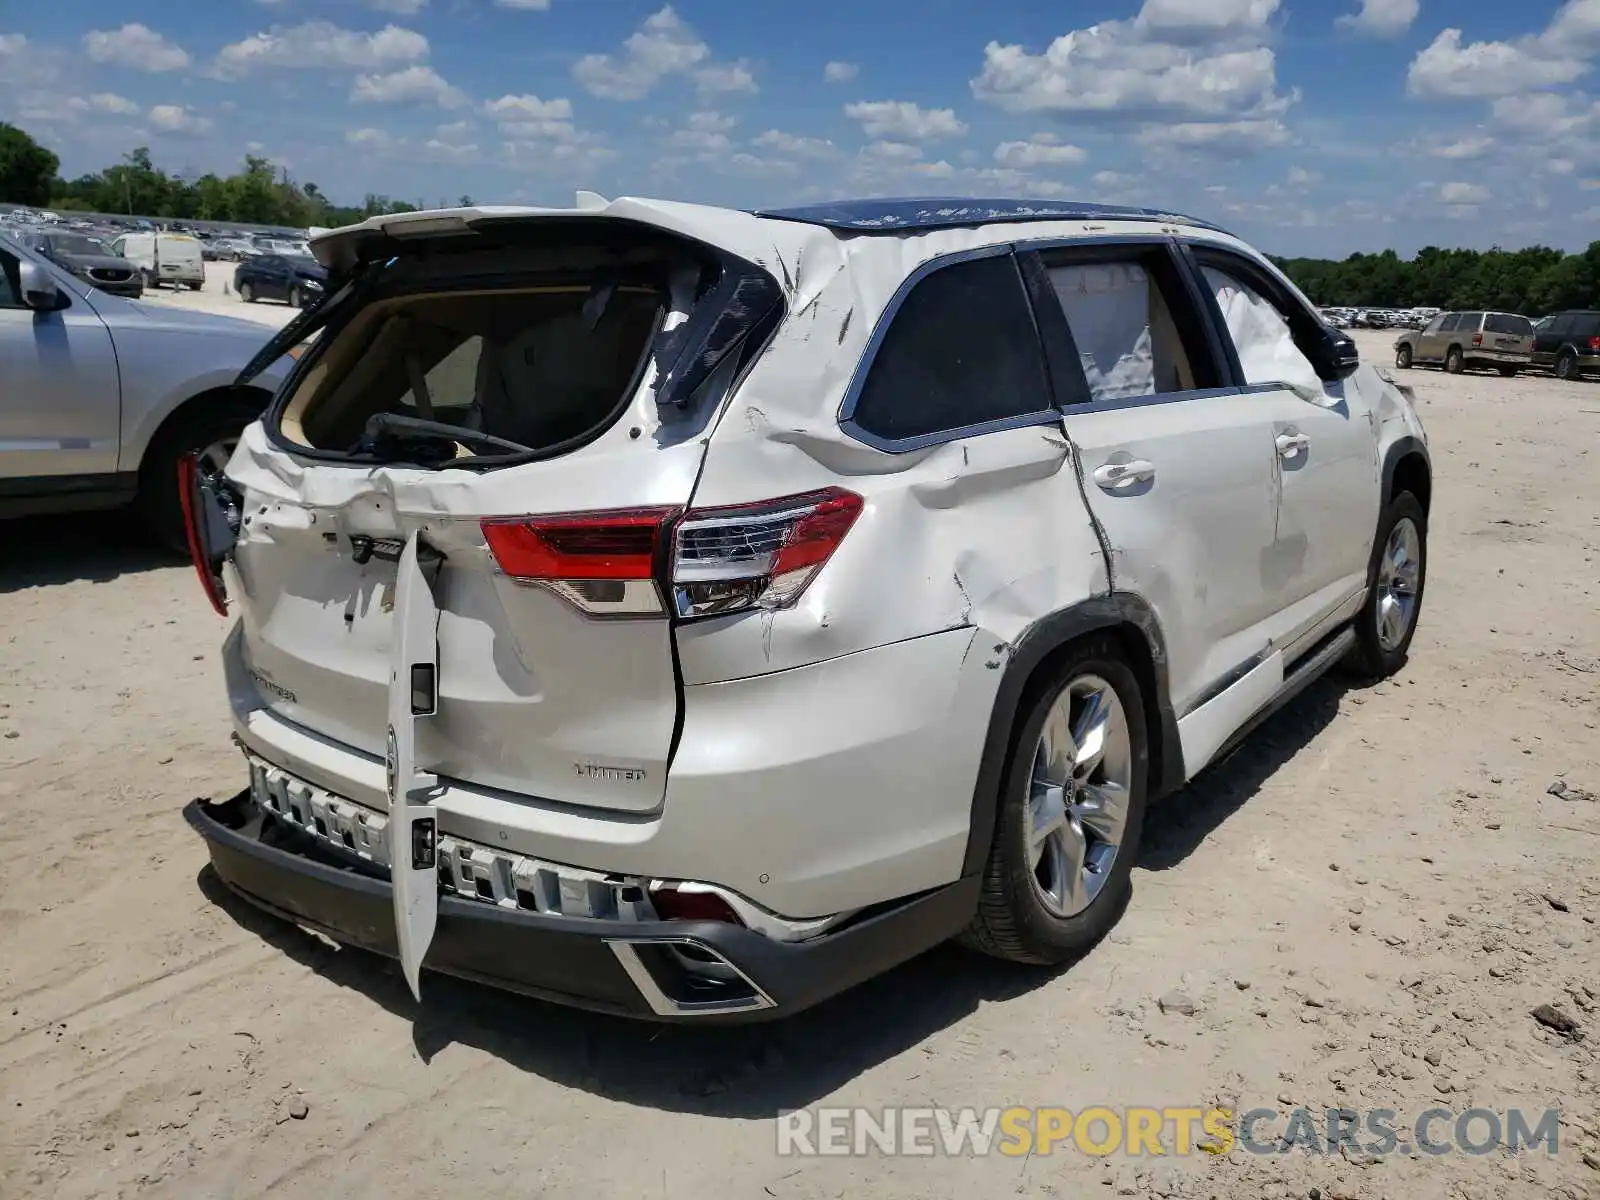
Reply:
x=406, y=428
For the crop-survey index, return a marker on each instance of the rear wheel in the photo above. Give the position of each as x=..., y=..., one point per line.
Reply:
x=212, y=431
x=1402, y=358
x=1509, y=372
x=1396, y=575
x=195, y=287
x=1455, y=362
x=1566, y=365
x=1070, y=815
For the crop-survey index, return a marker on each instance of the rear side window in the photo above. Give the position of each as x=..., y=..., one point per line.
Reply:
x=1470, y=322
x=1508, y=323
x=1586, y=325
x=960, y=351
x=1451, y=323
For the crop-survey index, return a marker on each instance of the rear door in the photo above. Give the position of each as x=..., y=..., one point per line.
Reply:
x=556, y=670
x=1508, y=333
x=1177, y=470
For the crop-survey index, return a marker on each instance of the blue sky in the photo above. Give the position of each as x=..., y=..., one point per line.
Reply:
x=1308, y=126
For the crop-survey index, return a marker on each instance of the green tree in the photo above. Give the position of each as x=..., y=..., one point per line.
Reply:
x=27, y=169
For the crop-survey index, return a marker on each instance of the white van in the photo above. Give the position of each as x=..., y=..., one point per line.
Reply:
x=164, y=258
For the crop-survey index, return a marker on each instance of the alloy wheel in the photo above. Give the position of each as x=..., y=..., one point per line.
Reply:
x=1078, y=795
x=1399, y=572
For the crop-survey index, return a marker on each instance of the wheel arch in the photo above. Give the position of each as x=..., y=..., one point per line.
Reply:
x=184, y=412
x=1131, y=621
x=1407, y=468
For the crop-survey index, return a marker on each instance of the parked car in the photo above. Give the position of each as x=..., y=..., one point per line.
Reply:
x=742, y=603
x=1461, y=340
x=296, y=281
x=160, y=258
x=100, y=397
x=1567, y=343
x=89, y=259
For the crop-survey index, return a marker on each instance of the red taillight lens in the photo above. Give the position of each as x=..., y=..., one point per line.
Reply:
x=1477, y=339
x=603, y=563
x=757, y=555
x=673, y=903
x=1594, y=344
x=188, y=497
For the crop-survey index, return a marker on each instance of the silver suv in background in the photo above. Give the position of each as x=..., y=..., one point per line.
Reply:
x=101, y=397
x=1459, y=340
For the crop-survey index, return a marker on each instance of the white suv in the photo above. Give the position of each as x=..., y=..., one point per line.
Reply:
x=689, y=613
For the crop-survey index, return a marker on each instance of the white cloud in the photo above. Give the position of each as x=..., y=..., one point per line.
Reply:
x=1176, y=65
x=1546, y=115
x=1446, y=68
x=795, y=145
x=1461, y=149
x=410, y=85
x=905, y=121
x=12, y=43
x=1381, y=18
x=452, y=153
x=840, y=72
x=321, y=45
x=896, y=151
x=1113, y=179
x=1043, y=151
x=175, y=118
x=1559, y=166
x=1221, y=139
x=136, y=46
x=400, y=8
x=704, y=133
x=369, y=138
x=1463, y=193
x=528, y=118
x=525, y=5
x=1300, y=177
x=664, y=45
x=104, y=102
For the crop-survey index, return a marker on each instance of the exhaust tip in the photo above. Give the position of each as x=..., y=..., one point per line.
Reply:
x=685, y=977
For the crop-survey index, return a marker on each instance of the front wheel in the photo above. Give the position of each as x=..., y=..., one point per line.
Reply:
x=297, y=298
x=1455, y=362
x=1566, y=365
x=1402, y=358
x=247, y=293
x=1509, y=372
x=1396, y=575
x=1071, y=811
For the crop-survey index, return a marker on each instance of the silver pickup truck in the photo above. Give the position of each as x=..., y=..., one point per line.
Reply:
x=100, y=397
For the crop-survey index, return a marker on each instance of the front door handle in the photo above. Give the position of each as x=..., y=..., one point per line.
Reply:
x=1118, y=476
x=1291, y=445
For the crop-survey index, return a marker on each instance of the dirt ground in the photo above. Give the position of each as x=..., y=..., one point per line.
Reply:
x=1363, y=905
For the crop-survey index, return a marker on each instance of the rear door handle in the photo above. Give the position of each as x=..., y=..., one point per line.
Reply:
x=1292, y=444
x=1115, y=477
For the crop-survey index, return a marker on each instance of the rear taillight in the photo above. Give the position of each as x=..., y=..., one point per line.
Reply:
x=1594, y=344
x=757, y=555
x=603, y=563
x=717, y=560
x=1477, y=339
x=189, y=498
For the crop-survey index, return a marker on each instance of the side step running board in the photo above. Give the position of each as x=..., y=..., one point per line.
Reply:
x=1307, y=671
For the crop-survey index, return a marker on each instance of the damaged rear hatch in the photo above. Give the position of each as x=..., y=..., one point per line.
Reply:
x=497, y=424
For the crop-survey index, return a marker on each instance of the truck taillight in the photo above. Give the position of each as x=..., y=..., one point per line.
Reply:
x=189, y=497
x=1477, y=339
x=763, y=555
x=718, y=560
x=603, y=563
x=1594, y=344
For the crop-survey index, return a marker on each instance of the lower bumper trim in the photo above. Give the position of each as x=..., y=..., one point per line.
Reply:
x=700, y=971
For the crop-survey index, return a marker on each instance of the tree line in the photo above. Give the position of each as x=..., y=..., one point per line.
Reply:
x=1533, y=281
x=260, y=194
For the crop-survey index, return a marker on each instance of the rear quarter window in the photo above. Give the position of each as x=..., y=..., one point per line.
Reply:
x=960, y=351
x=1508, y=323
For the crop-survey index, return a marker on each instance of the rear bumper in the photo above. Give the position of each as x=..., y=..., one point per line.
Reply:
x=605, y=966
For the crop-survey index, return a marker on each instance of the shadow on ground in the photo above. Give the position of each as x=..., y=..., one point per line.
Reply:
x=92, y=547
x=755, y=1071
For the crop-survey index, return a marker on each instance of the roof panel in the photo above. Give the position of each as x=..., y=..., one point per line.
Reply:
x=949, y=212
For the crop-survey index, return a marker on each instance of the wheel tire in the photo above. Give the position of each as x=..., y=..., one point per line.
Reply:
x=297, y=298
x=1370, y=658
x=1454, y=361
x=1509, y=372
x=1566, y=365
x=195, y=287
x=211, y=421
x=1402, y=358
x=1012, y=921
x=247, y=293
